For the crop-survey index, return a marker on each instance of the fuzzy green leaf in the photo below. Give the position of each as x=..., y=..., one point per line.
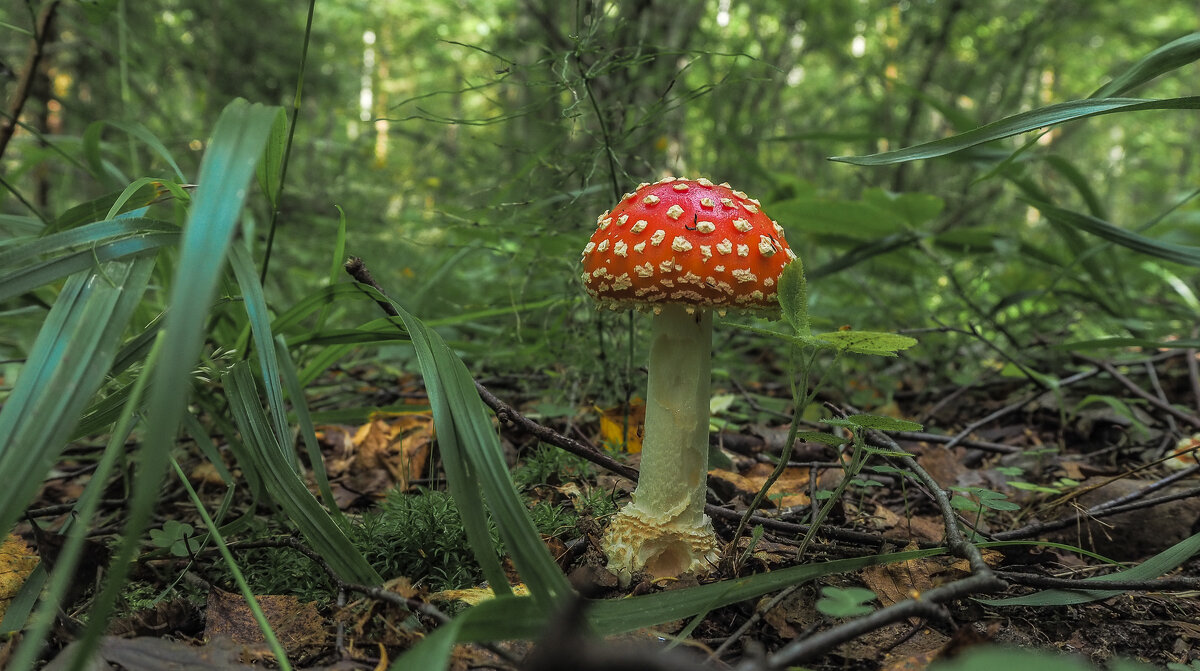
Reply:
x=793, y=297
x=868, y=342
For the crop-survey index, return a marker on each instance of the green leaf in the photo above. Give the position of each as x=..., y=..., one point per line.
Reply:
x=276, y=466
x=868, y=342
x=1024, y=122
x=1184, y=254
x=1159, y=564
x=66, y=366
x=876, y=422
x=270, y=168
x=1168, y=57
x=845, y=601
x=821, y=437
x=793, y=297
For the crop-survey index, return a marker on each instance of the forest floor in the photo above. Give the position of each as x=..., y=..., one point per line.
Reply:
x=1039, y=473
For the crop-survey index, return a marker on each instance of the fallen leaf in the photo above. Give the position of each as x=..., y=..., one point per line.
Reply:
x=17, y=561
x=613, y=424
x=475, y=595
x=791, y=489
x=896, y=582
x=298, y=625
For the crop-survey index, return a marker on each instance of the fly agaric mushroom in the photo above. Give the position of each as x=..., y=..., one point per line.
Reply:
x=679, y=248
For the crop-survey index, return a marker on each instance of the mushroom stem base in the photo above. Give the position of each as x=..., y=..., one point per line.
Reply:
x=662, y=548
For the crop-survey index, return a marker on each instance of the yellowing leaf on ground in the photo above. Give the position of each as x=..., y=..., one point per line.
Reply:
x=612, y=426
x=791, y=489
x=475, y=595
x=398, y=443
x=17, y=561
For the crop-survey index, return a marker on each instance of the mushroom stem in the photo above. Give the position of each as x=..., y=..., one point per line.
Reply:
x=675, y=444
x=664, y=530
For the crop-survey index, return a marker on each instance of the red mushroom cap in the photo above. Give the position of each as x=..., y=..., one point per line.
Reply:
x=685, y=241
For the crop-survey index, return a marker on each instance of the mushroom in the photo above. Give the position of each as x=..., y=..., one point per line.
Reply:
x=679, y=248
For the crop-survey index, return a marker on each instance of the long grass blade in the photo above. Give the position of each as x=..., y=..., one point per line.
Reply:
x=225, y=171
x=67, y=364
x=1024, y=122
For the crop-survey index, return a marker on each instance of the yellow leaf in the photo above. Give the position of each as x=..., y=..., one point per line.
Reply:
x=612, y=426
x=17, y=561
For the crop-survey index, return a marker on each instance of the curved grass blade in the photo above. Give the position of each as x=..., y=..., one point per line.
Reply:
x=90, y=234
x=1159, y=564
x=1162, y=60
x=260, y=327
x=284, y=485
x=1024, y=122
x=140, y=132
x=67, y=364
x=514, y=617
x=225, y=171
x=1184, y=254
x=31, y=277
x=474, y=461
x=307, y=431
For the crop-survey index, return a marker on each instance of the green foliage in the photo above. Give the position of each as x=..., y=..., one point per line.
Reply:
x=845, y=601
x=550, y=465
x=176, y=537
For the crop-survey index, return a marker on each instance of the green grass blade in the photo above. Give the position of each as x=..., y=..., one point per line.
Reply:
x=244, y=587
x=1024, y=122
x=307, y=431
x=90, y=235
x=67, y=364
x=474, y=461
x=521, y=617
x=284, y=485
x=1184, y=254
x=264, y=342
x=29, y=278
x=1159, y=564
x=225, y=172
x=1162, y=60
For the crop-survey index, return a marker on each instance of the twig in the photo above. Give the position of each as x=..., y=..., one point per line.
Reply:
x=759, y=613
x=928, y=605
x=1093, y=512
x=41, y=34
x=505, y=413
x=1013, y=407
x=1142, y=393
x=1193, y=366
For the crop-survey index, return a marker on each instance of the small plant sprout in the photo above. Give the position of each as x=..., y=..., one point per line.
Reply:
x=679, y=248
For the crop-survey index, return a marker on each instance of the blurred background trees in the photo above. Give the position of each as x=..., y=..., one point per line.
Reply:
x=471, y=143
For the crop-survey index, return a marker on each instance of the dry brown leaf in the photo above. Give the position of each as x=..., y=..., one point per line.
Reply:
x=945, y=466
x=298, y=625
x=895, y=526
x=474, y=595
x=896, y=582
